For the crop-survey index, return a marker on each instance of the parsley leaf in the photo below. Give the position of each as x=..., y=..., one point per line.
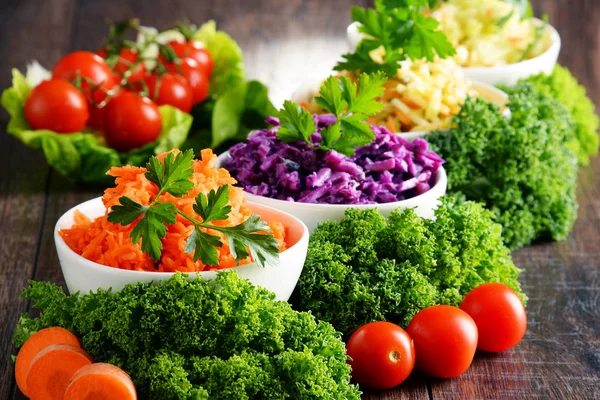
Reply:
x=427, y=40
x=204, y=245
x=151, y=228
x=173, y=174
x=394, y=30
x=127, y=212
x=262, y=247
x=213, y=208
x=331, y=96
x=370, y=87
x=297, y=124
x=351, y=103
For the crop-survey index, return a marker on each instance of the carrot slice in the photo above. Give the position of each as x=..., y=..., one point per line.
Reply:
x=100, y=381
x=37, y=342
x=52, y=368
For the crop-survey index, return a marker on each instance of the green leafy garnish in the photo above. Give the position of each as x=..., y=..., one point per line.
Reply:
x=351, y=103
x=172, y=176
x=297, y=123
x=397, y=30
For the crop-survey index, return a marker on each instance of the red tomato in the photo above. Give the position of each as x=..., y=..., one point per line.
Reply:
x=171, y=89
x=445, y=340
x=96, y=120
x=499, y=315
x=56, y=105
x=102, y=53
x=125, y=66
x=197, y=80
x=131, y=121
x=383, y=355
x=194, y=49
x=92, y=69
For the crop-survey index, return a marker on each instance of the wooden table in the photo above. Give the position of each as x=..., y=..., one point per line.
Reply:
x=286, y=42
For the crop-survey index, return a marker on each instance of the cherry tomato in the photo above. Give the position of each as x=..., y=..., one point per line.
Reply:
x=96, y=120
x=194, y=49
x=445, y=340
x=197, y=80
x=124, y=64
x=171, y=89
x=102, y=53
x=382, y=353
x=56, y=105
x=499, y=315
x=131, y=121
x=92, y=70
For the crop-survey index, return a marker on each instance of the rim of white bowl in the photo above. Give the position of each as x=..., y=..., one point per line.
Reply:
x=59, y=242
x=352, y=30
x=442, y=180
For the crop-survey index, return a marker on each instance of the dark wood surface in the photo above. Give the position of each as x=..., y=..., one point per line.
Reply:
x=286, y=42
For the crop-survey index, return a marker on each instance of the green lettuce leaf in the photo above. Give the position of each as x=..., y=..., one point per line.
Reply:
x=227, y=56
x=83, y=156
x=235, y=106
x=228, y=119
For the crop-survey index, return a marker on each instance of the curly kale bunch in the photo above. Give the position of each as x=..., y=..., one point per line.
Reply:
x=563, y=86
x=370, y=268
x=521, y=169
x=198, y=340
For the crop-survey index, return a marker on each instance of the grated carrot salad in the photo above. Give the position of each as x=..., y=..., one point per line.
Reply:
x=109, y=244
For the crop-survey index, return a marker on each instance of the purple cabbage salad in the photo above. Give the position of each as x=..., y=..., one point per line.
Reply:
x=388, y=169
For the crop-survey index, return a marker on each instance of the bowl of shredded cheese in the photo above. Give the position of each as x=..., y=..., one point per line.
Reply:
x=420, y=98
x=496, y=42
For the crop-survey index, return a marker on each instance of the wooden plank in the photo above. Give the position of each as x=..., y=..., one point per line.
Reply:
x=28, y=30
x=286, y=43
x=559, y=357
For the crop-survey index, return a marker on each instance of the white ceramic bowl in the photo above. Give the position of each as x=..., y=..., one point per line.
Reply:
x=84, y=275
x=502, y=74
x=308, y=90
x=311, y=214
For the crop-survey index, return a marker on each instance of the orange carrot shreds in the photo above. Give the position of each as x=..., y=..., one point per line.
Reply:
x=52, y=368
x=100, y=381
x=391, y=93
x=109, y=244
x=36, y=343
x=403, y=118
x=391, y=125
x=411, y=103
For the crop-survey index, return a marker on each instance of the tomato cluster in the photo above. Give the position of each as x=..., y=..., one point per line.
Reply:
x=440, y=340
x=113, y=91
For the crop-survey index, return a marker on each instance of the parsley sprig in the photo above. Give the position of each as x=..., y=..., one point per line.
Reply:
x=398, y=30
x=351, y=103
x=172, y=176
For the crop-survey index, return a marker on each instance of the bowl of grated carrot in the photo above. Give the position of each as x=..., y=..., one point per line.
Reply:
x=96, y=253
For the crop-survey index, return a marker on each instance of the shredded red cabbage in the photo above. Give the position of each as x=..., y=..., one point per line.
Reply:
x=388, y=169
